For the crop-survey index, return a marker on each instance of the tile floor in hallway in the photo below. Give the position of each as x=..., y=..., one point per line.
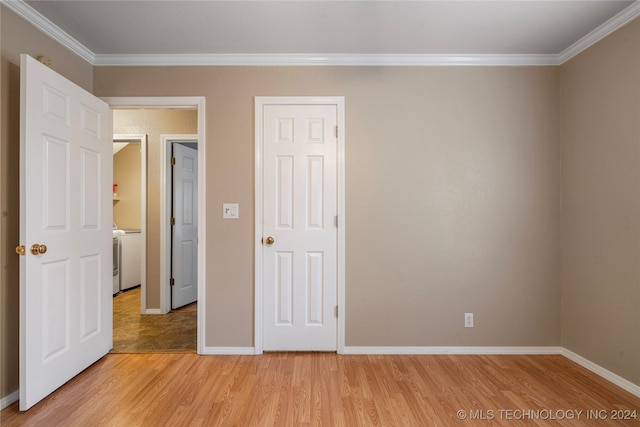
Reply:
x=133, y=332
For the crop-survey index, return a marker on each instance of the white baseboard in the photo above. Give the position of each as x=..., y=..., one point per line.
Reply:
x=229, y=351
x=153, y=311
x=604, y=373
x=452, y=350
x=8, y=400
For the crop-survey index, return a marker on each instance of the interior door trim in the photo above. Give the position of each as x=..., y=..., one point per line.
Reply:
x=260, y=103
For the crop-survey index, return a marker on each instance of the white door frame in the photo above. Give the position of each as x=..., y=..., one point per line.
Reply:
x=197, y=102
x=142, y=139
x=260, y=103
x=165, y=211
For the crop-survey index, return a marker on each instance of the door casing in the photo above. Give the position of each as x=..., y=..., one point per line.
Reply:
x=260, y=102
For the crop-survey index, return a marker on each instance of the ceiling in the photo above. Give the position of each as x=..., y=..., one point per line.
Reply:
x=112, y=32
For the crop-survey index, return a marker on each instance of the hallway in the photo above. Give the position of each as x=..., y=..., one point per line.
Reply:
x=133, y=332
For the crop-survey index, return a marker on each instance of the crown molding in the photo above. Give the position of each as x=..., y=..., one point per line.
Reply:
x=43, y=24
x=407, y=60
x=616, y=22
x=390, y=60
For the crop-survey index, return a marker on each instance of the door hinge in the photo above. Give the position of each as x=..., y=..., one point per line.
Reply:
x=172, y=282
x=336, y=131
x=173, y=221
x=173, y=160
x=336, y=221
x=336, y=311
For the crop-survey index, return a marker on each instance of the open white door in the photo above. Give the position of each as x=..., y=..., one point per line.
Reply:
x=184, y=257
x=66, y=171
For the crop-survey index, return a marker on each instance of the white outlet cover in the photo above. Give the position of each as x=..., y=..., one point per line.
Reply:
x=230, y=211
x=468, y=320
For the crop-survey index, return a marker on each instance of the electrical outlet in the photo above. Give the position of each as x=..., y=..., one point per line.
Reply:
x=468, y=320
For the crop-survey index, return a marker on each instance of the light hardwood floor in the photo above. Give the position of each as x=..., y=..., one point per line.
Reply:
x=305, y=389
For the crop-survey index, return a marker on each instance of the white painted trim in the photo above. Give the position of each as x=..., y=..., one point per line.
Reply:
x=302, y=59
x=142, y=140
x=342, y=223
x=339, y=102
x=151, y=102
x=613, y=24
x=258, y=230
x=165, y=212
x=56, y=33
x=191, y=102
x=604, y=373
x=9, y=399
x=241, y=351
x=452, y=350
x=152, y=311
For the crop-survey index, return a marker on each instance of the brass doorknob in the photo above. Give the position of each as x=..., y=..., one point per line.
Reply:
x=37, y=249
x=21, y=250
x=269, y=240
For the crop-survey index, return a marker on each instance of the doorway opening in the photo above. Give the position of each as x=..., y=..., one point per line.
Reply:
x=155, y=316
x=129, y=212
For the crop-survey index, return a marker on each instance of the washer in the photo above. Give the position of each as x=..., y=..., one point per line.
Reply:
x=117, y=258
x=131, y=259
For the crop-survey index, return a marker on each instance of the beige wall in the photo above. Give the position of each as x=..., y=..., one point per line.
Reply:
x=601, y=203
x=127, y=212
x=154, y=123
x=452, y=196
x=18, y=37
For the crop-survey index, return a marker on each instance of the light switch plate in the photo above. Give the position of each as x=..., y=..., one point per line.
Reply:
x=230, y=211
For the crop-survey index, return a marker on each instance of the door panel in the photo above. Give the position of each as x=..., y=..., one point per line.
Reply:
x=65, y=204
x=89, y=296
x=284, y=288
x=90, y=189
x=299, y=208
x=185, y=232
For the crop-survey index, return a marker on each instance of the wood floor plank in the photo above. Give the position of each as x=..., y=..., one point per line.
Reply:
x=324, y=389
